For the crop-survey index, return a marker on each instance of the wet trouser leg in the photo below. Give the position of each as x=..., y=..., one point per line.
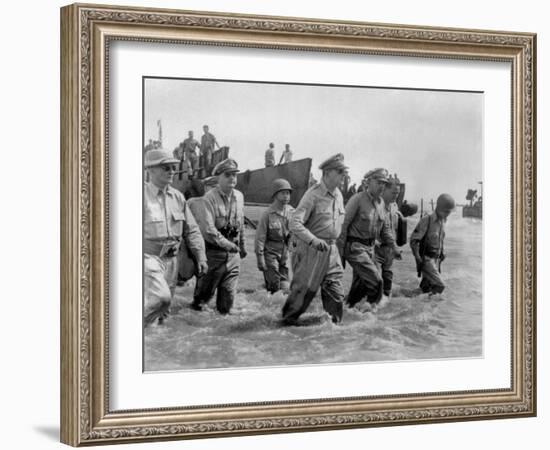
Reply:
x=367, y=279
x=160, y=282
x=227, y=287
x=276, y=273
x=332, y=290
x=431, y=278
x=303, y=289
x=223, y=273
x=384, y=258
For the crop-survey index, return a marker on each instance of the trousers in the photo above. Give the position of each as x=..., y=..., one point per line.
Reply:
x=276, y=261
x=384, y=258
x=160, y=275
x=367, y=277
x=313, y=269
x=223, y=274
x=431, y=278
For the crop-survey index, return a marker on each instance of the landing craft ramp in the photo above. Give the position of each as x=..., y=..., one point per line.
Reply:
x=256, y=184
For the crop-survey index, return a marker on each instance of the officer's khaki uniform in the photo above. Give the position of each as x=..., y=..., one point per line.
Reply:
x=271, y=246
x=168, y=223
x=365, y=222
x=385, y=252
x=430, y=230
x=190, y=150
x=223, y=265
x=319, y=215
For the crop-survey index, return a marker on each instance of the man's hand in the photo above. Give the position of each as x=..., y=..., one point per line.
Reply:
x=234, y=248
x=261, y=265
x=202, y=268
x=397, y=254
x=319, y=245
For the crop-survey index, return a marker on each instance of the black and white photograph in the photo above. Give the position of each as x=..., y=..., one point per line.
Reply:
x=291, y=224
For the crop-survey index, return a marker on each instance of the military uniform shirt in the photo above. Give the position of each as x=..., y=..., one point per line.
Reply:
x=272, y=226
x=207, y=141
x=320, y=214
x=189, y=145
x=219, y=211
x=168, y=218
x=392, y=215
x=366, y=219
x=433, y=228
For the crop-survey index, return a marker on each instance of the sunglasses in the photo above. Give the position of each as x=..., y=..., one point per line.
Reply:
x=169, y=168
x=230, y=174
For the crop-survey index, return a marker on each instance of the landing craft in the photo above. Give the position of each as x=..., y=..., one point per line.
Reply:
x=256, y=184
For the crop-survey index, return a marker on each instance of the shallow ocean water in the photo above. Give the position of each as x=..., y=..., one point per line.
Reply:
x=408, y=327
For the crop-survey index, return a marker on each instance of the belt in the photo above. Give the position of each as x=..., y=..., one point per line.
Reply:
x=210, y=246
x=432, y=254
x=368, y=242
x=329, y=241
x=159, y=248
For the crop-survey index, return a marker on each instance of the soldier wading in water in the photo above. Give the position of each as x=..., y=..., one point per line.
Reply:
x=222, y=226
x=272, y=238
x=316, y=225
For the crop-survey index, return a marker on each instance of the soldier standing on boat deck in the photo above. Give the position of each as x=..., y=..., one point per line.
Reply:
x=385, y=252
x=286, y=157
x=222, y=227
x=168, y=224
x=272, y=238
x=365, y=222
x=208, y=144
x=190, y=151
x=427, y=245
x=316, y=225
x=270, y=155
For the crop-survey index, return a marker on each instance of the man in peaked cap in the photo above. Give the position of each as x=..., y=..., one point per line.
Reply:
x=365, y=223
x=222, y=227
x=384, y=252
x=315, y=225
x=168, y=225
x=272, y=238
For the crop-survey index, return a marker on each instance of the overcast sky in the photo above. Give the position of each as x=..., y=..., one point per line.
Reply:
x=433, y=140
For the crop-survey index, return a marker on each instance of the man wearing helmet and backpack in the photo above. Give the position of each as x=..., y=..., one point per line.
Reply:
x=272, y=236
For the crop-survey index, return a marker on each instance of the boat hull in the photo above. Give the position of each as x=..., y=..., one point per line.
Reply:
x=256, y=185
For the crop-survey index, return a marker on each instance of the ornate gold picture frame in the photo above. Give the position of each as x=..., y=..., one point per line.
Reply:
x=87, y=32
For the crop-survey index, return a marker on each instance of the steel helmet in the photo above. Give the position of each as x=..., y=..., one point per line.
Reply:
x=445, y=202
x=280, y=184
